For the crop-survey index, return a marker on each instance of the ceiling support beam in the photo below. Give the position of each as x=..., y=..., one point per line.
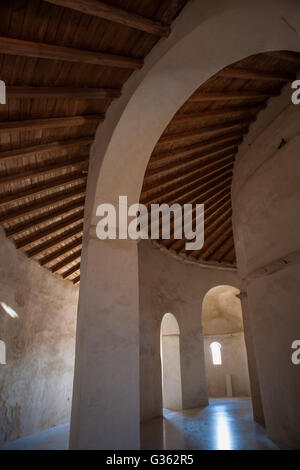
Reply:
x=239, y=125
x=245, y=74
x=26, y=209
x=63, y=210
x=49, y=230
x=60, y=252
x=76, y=280
x=43, y=187
x=71, y=271
x=69, y=259
x=291, y=57
x=50, y=123
x=78, y=162
x=36, y=250
x=117, y=15
x=218, y=113
x=62, y=92
x=230, y=95
x=43, y=148
x=41, y=50
x=202, y=147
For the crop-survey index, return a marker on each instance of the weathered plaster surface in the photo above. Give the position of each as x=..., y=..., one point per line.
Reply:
x=222, y=322
x=171, y=285
x=266, y=207
x=36, y=382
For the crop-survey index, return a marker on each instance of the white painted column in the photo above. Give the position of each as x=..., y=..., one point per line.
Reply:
x=105, y=413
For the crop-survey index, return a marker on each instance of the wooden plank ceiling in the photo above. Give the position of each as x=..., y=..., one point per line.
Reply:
x=63, y=62
x=193, y=160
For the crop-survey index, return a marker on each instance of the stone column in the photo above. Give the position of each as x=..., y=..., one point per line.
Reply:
x=105, y=412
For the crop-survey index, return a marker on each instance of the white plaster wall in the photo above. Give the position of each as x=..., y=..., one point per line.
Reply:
x=266, y=207
x=36, y=382
x=222, y=322
x=169, y=284
x=234, y=363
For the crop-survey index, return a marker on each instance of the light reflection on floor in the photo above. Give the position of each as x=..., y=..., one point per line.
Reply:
x=226, y=424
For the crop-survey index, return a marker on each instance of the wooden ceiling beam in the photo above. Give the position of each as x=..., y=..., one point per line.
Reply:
x=62, y=92
x=202, y=147
x=245, y=74
x=75, y=162
x=217, y=113
x=200, y=96
x=36, y=250
x=117, y=15
x=60, y=252
x=229, y=256
x=69, y=259
x=195, y=153
x=223, y=248
x=26, y=209
x=213, y=241
x=49, y=230
x=43, y=187
x=287, y=56
x=63, y=210
x=239, y=125
x=168, y=182
x=50, y=123
x=223, y=214
x=44, y=148
x=76, y=280
x=39, y=50
x=210, y=212
x=195, y=171
x=71, y=271
x=191, y=184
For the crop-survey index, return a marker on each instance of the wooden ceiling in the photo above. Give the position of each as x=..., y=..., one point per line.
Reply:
x=63, y=62
x=193, y=160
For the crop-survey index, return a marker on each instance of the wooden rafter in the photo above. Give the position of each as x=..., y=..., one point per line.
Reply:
x=230, y=95
x=36, y=250
x=73, y=163
x=26, y=209
x=117, y=15
x=60, y=252
x=41, y=50
x=53, y=183
x=49, y=230
x=69, y=259
x=71, y=271
x=65, y=209
x=49, y=123
x=44, y=148
x=62, y=92
x=218, y=113
x=247, y=74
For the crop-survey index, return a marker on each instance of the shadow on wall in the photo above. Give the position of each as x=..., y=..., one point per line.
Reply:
x=224, y=344
x=170, y=362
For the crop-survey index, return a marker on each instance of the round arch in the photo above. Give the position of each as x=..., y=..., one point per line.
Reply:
x=107, y=329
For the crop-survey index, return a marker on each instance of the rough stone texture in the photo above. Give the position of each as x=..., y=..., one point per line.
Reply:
x=266, y=207
x=171, y=285
x=36, y=383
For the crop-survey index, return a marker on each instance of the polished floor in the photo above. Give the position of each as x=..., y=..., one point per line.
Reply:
x=226, y=424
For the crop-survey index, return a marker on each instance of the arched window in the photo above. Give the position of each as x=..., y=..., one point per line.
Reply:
x=216, y=353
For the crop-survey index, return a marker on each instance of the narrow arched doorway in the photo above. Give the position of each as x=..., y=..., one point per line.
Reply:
x=170, y=363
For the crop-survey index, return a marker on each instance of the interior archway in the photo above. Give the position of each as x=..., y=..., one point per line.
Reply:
x=172, y=73
x=170, y=362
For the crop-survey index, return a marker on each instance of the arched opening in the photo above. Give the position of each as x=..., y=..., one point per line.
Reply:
x=170, y=362
x=216, y=353
x=224, y=344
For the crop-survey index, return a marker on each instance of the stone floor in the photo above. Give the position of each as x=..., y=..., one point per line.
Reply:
x=226, y=424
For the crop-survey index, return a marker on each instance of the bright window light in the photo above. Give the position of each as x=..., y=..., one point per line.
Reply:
x=2, y=353
x=2, y=92
x=216, y=353
x=10, y=311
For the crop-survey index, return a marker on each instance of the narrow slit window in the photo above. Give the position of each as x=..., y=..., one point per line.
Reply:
x=216, y=353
